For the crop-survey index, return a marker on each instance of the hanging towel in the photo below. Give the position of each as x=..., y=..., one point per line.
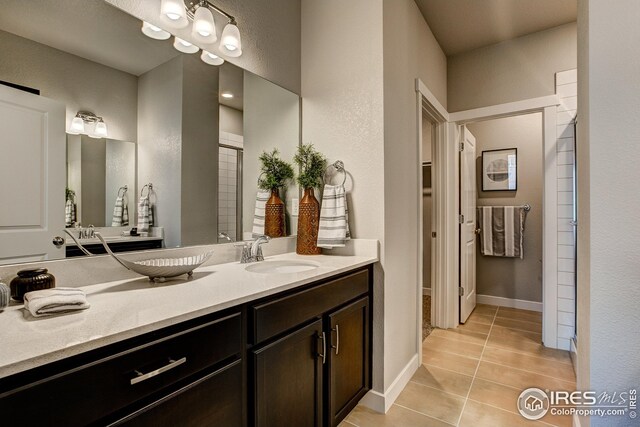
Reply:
x=69, y=213
x=258, y=217
x=334, y=218
x=145, y=214
x=55, y=301
x=120, y=213
x=502, y=231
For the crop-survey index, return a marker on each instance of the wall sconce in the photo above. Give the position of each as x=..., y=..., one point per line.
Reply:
x=78, y=125
x=177, y=13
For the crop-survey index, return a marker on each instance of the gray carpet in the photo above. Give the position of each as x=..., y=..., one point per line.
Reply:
x=426, y=316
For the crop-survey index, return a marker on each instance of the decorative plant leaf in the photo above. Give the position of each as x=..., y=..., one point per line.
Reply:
x=312, y=166
x=275, y=171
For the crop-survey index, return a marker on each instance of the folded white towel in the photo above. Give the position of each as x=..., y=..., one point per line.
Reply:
x=145, y=214
x=258, y=217
x=334, y=218
x=55, y=301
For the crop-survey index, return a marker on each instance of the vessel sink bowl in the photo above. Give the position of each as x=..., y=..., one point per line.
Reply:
x=282, y=267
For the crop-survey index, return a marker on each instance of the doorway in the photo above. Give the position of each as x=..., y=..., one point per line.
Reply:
x=428, y=135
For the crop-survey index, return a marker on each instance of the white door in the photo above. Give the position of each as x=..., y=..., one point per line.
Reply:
x=32, y=176
x=468, y=194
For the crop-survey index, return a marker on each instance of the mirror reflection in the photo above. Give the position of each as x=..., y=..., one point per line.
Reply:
x=192, y=130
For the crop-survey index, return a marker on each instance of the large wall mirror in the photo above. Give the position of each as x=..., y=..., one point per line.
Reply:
x=179, y=131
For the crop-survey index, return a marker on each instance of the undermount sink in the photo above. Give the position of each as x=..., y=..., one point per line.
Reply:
x=282, y=267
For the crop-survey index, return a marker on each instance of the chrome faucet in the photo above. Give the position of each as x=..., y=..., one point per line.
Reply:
x=252, y=250
x=86, y=233
x=225, y=236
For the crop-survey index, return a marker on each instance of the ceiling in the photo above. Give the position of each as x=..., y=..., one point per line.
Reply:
x=463, y=25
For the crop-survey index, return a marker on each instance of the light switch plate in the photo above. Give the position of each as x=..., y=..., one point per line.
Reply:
x=294, y=207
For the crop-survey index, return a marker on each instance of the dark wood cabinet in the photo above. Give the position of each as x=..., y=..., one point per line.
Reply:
x=348, y=360
x=288, y=379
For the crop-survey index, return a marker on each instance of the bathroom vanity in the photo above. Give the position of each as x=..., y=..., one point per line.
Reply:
x=239, y=349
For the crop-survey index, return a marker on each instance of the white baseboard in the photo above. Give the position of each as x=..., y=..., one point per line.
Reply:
x=426, y=291
x=509, y=302
x=381, y=403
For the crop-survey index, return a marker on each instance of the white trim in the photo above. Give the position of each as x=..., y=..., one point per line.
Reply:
x=509, y=302
x=426, y=291
x=504, y=110
x=442, y=114
x=380, y=402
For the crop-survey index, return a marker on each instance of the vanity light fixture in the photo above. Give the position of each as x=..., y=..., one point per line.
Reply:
x=78, y=125
x=177, y=13
x=227, y=95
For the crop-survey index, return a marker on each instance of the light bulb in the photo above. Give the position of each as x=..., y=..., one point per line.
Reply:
x=154, y=32
x=230, y=43
x=77, y=126
x=211, y=59
x=227, y=95
x=173, y=13
x=204, y=28
x=101, y=129
x=184, y=46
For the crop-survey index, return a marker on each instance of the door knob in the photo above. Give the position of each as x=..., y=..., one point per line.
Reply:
x=58, y=241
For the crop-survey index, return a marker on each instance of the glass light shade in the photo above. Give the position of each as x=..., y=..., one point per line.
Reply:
x=173, y=13
x=184, y=46
x=204, y=28
x=101, y=130
x=230, y=43
x=211, y=59
x=77, y=126
x=154, y=32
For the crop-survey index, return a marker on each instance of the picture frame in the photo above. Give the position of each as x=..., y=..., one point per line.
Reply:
x=500, y=170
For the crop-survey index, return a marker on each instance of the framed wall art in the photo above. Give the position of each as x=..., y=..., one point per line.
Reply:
x=500, y=170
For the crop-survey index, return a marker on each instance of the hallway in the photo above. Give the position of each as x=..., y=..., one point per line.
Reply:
x=472, y=376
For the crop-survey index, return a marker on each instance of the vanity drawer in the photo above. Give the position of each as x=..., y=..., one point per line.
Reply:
x=92, y=391
x=276, y=316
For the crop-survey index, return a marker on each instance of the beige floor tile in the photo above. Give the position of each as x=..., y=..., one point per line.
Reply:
x=442, y=379
x=460, y=334
x=529, y=363
x=450, y=361
x=517, y=314
x=478, y=415
x=521, y=379
x=452, y=346
x=429, y=401
x=485, y=319
x=525, y=342
x=485, y=309
x=346, y=424
x=518, y=324
x=395, y=417
x=479, y=328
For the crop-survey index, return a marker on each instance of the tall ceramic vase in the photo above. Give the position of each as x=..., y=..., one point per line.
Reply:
x=308, y=223
x=274, y=223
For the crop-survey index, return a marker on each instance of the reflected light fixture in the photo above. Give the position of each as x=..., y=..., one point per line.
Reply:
x=227, y=95
x=176, y=14
x=78, y=125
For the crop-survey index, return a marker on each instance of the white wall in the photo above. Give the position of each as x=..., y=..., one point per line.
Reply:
x=230, y=120
x=120, y=171
x=513, y=70
x=79, y=83
x=608, y=148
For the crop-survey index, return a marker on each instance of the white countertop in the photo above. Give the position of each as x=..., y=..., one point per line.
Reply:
x=127, y=308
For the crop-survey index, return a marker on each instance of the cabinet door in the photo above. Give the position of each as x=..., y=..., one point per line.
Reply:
x=348, y=359
x=213, y=400
x=288, y=379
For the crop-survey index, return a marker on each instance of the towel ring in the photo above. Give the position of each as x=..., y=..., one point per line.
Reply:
x=149, y=187
x=338, y=165
x=124, y=191
x=260, y=177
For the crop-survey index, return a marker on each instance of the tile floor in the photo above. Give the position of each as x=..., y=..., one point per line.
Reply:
x=472, y=375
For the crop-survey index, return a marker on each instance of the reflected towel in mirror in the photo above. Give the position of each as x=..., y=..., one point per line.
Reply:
x=258, y=217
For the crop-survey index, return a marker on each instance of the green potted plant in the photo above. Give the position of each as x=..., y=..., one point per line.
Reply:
x=276, y=173
x=312, y=165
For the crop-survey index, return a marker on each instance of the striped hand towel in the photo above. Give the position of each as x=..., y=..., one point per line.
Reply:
x=502, y=231
x=120, y=213
x=145, y=214
x=334, y=218
x=69, y=213
x=258, y=217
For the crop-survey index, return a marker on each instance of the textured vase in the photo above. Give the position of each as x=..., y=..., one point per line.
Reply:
x=274, y=222
x=308, y=223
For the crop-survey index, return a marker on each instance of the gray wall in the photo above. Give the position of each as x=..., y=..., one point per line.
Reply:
x=513, y=277
x=271, y=120
x=79, y=83
x=160, y=143
x=93, y=154
x=608, y=149
x=120, y=171
x=231, y=120
x=513, y=70
x=270, y=32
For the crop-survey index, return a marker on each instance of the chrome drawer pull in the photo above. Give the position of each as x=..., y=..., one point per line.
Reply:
x=143, y=377
x=337, y=346
x=324, y=348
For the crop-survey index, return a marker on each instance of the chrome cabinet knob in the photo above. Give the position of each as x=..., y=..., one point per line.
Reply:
x=58, y=241
x=478, y=231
